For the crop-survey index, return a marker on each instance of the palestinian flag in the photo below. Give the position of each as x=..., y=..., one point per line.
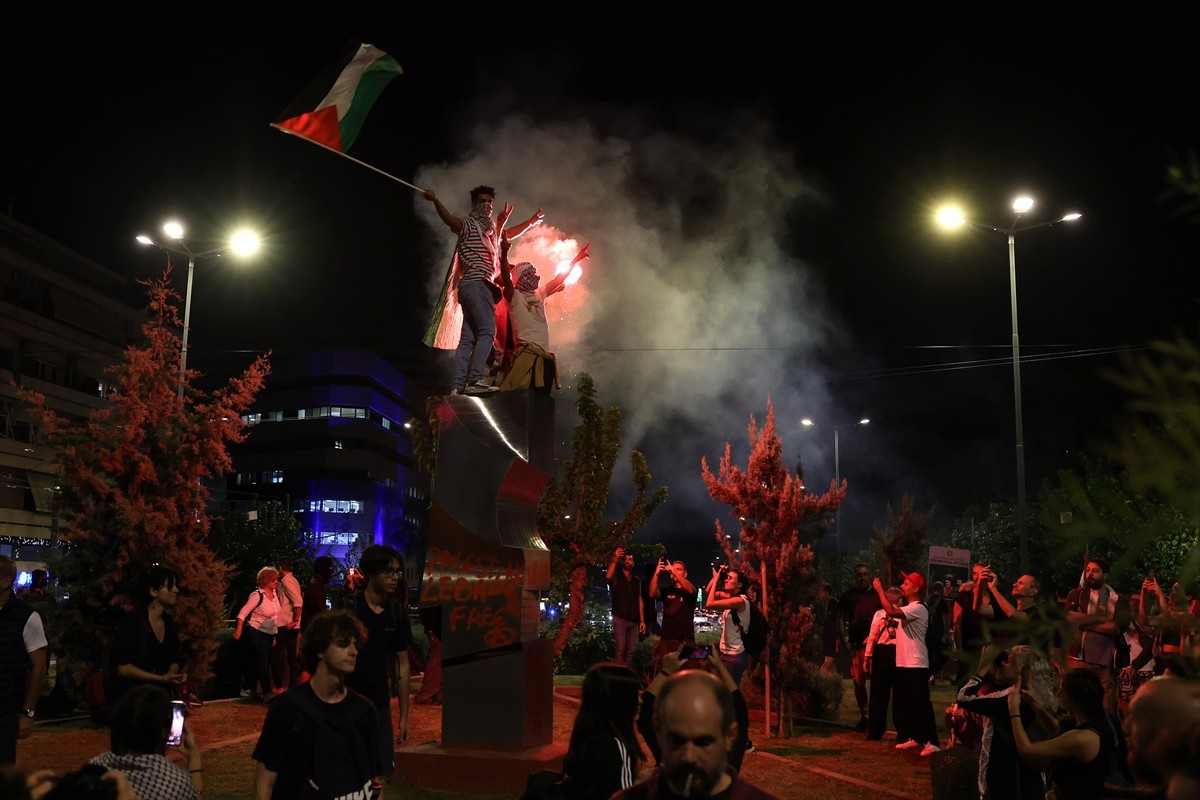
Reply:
x=332, y=110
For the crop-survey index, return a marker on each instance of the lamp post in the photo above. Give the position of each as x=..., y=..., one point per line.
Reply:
x=837, y=481
x=241, y=243
x=953, y=217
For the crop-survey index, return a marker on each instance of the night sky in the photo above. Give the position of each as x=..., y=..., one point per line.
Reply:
x=758, y=196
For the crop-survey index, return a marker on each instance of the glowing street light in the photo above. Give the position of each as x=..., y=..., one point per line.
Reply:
x=837, y=481
x=242, y=243
x=953, y=217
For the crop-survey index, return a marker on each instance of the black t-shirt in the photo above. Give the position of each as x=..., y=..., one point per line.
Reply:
x=679, y=613
x=625, y=594
x=288, y=742
x=388, y=633
x=858, y=608
x=969, y=621
x=136, y=644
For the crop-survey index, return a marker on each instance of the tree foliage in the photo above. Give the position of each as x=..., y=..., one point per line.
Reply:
x=132, y=494
x=901, y=545
x=246, y=545
x=571, y=515
x=779, y=522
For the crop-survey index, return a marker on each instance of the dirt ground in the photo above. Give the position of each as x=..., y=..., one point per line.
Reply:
x=824, y=761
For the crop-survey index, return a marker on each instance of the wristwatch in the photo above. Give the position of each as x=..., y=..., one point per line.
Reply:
x=29, y=712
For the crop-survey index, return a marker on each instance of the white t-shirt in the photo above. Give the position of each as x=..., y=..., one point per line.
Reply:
x=910, y=637
x=527, y=315
x=731, y=637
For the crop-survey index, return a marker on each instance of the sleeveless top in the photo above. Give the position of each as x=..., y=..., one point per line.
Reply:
x=1084, y=780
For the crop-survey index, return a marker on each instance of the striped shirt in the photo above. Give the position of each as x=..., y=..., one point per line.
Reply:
x=477, y=252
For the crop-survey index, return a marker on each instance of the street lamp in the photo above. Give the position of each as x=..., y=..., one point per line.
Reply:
x=953, y=217
x=837, y=481
x=242, y=243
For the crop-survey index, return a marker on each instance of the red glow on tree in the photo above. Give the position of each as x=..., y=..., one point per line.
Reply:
x=132, y=494
x=779, y=523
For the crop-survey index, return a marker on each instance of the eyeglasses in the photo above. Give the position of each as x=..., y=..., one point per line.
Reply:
x=391, y=572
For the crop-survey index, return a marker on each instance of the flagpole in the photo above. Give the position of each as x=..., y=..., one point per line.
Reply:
x=343, y=155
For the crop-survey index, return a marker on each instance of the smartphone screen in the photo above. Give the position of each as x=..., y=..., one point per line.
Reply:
x=175, y=737
x=695, y=651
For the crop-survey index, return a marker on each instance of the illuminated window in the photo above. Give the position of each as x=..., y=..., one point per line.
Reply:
x=337, y=444
x=276, y=476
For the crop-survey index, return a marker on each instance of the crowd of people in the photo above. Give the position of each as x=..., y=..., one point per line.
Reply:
x=338, y=672
x=1048, y=688
x=1084, y=695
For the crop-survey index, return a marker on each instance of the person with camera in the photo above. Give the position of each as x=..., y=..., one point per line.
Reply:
x=628, y=610
x=141, y=724
x=670, y=584
x=726, y=592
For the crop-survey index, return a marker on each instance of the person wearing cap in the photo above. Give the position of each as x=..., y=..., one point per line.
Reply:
x=912, y=710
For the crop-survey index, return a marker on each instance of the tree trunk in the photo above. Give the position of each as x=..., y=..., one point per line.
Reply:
x=576, y=581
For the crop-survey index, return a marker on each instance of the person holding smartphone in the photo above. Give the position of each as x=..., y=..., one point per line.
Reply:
x=138, y=733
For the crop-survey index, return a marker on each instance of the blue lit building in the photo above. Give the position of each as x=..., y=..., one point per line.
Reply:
x=329, y=438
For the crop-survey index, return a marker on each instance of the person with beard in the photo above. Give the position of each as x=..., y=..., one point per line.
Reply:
x=472, y=277
x=1091, y=610
x=696, y=729
x=855, y=612
x=1163, y=734
x=628, y=612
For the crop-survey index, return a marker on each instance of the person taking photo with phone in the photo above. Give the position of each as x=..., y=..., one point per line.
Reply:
x=138, y=733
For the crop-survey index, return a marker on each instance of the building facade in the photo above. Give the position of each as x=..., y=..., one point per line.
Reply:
x=63, y=321
x=330, y=437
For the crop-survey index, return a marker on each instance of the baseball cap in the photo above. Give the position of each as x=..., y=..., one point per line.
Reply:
x=915, y=578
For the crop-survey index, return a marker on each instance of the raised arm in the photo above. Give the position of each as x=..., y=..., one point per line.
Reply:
x=521, y=227
x=889, y=607
x=1005, y=604
x=507, y=285
x=452, y=222
x=619, y=553
x=556, y=283
x=1080, y=744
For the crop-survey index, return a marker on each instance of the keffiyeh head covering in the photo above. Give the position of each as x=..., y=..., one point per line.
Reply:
x=482, y=213
x=527, y=277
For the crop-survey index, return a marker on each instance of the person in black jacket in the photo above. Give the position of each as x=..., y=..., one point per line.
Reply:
x=604, y=756
x=146, y=648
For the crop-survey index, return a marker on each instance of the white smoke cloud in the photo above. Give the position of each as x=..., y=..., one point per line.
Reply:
x=690, y=312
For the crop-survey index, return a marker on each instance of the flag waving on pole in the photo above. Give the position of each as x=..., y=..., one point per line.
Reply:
x=332, y=110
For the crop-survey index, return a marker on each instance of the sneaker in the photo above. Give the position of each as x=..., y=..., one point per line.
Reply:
x=908, y=744
x=480, y=388
x=929, y=750
x=193, y=701
x=861, y=727
x=749, y=746
x=244, y=693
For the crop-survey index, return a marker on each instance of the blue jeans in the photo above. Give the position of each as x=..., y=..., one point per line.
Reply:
x=736, y=665
x=626, y=633
x=478, y=329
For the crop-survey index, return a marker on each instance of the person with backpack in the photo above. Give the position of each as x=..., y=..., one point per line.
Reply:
x=257, y=624
x=729, y=597
x=320, y=738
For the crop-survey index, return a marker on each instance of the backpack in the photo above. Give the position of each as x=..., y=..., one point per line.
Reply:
x=935, y=638
x=754, y=638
